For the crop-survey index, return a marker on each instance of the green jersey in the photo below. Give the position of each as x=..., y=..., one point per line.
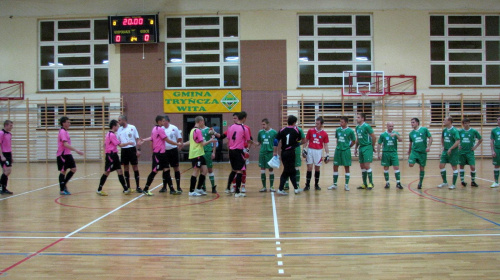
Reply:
x=207, y=137
x=468, y=139
x=450, y=136
x=266, y=140
x=302, y=136
x=389, y=143
x=363, y=133
x=495, y=137
x=344, y=138
x=418, y=138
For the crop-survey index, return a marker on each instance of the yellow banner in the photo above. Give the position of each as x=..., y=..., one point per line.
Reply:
x=210, y=101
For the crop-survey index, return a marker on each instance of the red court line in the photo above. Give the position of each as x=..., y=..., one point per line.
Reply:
x=30, y=256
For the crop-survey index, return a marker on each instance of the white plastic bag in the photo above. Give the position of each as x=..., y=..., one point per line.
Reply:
x=274, y=162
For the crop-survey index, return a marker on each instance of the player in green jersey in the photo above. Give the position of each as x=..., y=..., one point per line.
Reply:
x=495, y=152
x=419, y=148
x=265, y=140
x=346, y=138
x=388, y=141
x=210, y=149
x=466, y=149
x=365, y=140
x=450, y=139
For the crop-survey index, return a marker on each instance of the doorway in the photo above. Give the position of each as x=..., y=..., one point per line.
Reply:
x=211, y=120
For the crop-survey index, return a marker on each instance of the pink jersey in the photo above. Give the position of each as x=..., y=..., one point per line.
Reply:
x=111, y=143
x=158, y=138
x=61, y=138
x=198, y=136
x=6, y=141
x=316, y=138
x=238, y=136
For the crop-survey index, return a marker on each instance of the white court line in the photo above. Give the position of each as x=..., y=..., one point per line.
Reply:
x=275, y=218
x=42, y=188
x=249, y=238
x=481, y=179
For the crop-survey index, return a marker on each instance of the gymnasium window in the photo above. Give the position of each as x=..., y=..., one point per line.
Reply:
x=476, y=111
x=331, y=44
x=202, y=52
x=73, y=55
x=92, y=116
x=332, y=111
x=465, y=50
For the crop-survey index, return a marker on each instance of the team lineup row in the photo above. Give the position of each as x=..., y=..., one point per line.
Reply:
x=457, y=149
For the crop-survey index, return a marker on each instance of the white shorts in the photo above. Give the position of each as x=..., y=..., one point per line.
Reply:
x=314, y=156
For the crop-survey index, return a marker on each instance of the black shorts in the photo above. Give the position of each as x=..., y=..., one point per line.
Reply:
x=129, y=156
x=236, y=159
x=197, y=162
x=65, y=162
x=288, y=159
x=159, y=161
x=112, y=162
x=172, y=157
x=8, y=160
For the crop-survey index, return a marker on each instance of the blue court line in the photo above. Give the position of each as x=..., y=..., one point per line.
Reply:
x=390, y=254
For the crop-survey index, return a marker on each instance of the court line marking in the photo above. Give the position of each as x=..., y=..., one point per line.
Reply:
x=258, y=238
x=276, y=232
x=42, y=188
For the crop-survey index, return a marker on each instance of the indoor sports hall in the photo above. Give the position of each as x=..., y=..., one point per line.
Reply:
x=393, y=61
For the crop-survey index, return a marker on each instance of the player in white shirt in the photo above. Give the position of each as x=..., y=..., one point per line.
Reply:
x=172, y=155
x=130, y=153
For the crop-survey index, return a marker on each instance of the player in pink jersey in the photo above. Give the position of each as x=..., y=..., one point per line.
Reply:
x=111, y=143
x=6, y=155
x=158, y=139
x=316, y=140
x=65, y=160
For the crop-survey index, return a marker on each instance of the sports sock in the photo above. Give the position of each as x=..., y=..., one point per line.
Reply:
x=421, y=177
x=308, y=177
x=397, y=173
x=271, y=179
x=316, y=177
x=102, y=182
x=201, y=181
x=443, y=175
x=263, y=178
x=62, y=184
x=122, y=181
x=455, y=176
x=68, y=177
x=238, y=182
x=151, y=177
x=137, y=177
x=126, y=174
x=211, y=177
x=496, y=172
x=364, y=175
x=462, y=175
x=193, y=184
x=335, y=177
x=297, y=175
x=473, y=176
x=347, y=178
x=177, y=175
x=386, y=176
x=230, y=179
x=370, y=175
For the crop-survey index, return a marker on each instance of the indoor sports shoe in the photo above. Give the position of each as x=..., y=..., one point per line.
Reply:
x=227, y=191
x=473, y=184
x=362, y=187
x=127, y=191
x=419, y=186
x=272, y=189
x=214, y=189
x=147, y=193
x=281, y=192
x=239, y=195
x=307, y=188
x=317, y=188
x=332, y=187
x=398, y=185
x=464, y=184
x=452, y=187
x=243, y=190
x=201, y=191
x=443, y=185
x=179, y=190
x=346, y=188
x=494, y=185
x=174, y=192
x=369, y=187
x=6, y=191
x=263, y=190
x=65, y=192
x=297, y=191
x=164, y=189
x=138, y=190
x=194, y=194
x=102, y=193
x=387, y=185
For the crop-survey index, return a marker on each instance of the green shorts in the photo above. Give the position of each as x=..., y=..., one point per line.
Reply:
x=342, y=158
x=417, y=157
x=389, y=159
x=452, y=159
x=496, y=160
x=208, y=159
x=264, y=158
x=298, y=157
x=467, y=158
x=365, y=154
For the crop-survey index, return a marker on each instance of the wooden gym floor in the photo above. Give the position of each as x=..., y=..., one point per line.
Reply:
x=380, y=234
